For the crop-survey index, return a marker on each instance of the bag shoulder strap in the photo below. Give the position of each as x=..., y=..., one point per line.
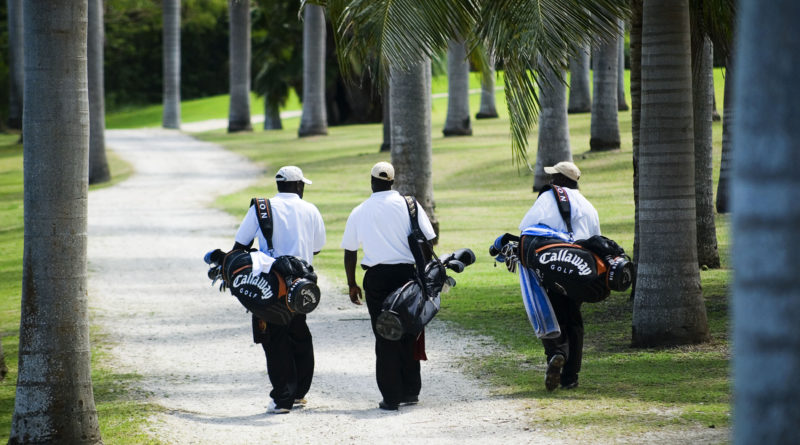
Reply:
x=417, y=241
x=562, y=201
x=264, y=215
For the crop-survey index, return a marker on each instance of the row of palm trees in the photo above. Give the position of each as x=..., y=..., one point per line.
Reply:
x=668, y=307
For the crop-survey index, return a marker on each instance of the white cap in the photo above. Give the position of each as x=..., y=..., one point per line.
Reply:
x=567, y=169
x=290, y=173
x=383, y=170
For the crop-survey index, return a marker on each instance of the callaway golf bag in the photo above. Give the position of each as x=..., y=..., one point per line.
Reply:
x=408, y=309
x=288, y=288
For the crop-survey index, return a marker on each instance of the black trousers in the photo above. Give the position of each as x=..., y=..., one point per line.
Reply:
x=397, y=372
x=570, y=342
x=290, y=359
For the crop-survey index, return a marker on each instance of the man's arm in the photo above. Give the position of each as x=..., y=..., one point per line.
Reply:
x=350, y=260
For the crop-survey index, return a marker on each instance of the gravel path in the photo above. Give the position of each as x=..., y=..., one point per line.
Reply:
x=193, y=346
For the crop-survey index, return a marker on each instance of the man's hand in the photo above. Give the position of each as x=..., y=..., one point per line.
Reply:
x=355, y=294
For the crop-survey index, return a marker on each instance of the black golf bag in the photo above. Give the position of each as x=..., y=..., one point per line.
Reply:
x=408, y=309
x=289, y=288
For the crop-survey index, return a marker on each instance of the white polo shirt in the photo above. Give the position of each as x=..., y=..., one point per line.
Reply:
x=381, y=226
x=585, y=222
x=297, y=228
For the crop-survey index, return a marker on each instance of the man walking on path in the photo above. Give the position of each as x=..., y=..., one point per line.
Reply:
x=381, y=225
x=297, y=230
x=565, y=353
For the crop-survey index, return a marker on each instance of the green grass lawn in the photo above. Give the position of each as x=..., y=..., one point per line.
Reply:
x=479, y=195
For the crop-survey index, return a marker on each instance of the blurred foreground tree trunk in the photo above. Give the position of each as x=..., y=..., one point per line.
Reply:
x=766, y=298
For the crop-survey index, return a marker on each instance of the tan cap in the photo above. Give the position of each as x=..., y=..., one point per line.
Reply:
x=290, y=173
x=383, y=170
x=567, y=169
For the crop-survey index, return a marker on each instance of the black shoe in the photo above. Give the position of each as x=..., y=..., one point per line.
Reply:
x=387, y=406
x=409, y=400
x=552, y=377
x=571, y=385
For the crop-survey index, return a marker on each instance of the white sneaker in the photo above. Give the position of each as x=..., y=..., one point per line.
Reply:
x=273, y=409
x=301, y=402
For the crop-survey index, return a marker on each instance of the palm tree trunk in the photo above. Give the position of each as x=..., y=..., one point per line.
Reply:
x=457, y=122
x=668, y=308
x=386, y=120
x=54, y=399
x=725, y=165
x=272, y=116
x=703, y=93
x=410, y=103
x=314, y=120
x=172, y=64
x=580, y=96
x=488, y=107
x=239, y=74
x=98, y=164
x=766, y=300
x=622, y=104
x=636, y=102
x=605, y=122
x=553, y=126
x=16, y=72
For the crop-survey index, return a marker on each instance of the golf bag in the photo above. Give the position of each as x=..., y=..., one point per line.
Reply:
x=289, y=287
x=408, y=309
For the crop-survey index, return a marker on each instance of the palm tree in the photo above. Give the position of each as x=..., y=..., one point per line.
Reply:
x=488, y=106
x=272, y=115
x=386, y=120
x=668, y=307
x=172, y=64
x=54, y=399
x=410, y=109
x=98, y=165
x=726, y=163
x=605, y=122
x=765, y=230
x=636, y=93
x=457, y=122
x=553, y=126
x=16, y=76
x=703, y=93
x=405, y=33
x=622, y=104
x=239, y=74
x=580, y=96
x=314, y=120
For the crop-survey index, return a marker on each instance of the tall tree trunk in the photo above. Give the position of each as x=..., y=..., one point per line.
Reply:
x=668, y=308
x=272, y=116
x=457, y=122
x=54, y=399
x=488, y=107
x=725, y=165
x=702, y=99
x=410, y=103
x=622, y=104
x=766, y=299
x=580, y=96
x=386, y=119
x=98, y=164
x=16, y=72
x=636, y=102
x=239, y=74
x=605, y=122
x=172, y=64
x=553, y=126
x=314, y=120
